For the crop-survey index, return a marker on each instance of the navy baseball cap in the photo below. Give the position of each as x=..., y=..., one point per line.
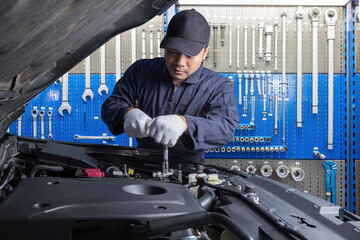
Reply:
x=188, y=32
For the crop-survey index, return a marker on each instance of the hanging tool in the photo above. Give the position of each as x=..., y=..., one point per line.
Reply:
x=158, y=35
x=238, y=47
x=268, y=33
x=283, y=15
x=253, y=61
x=42, y=116
x=263, y=94
x=330, y=20
x=330, y=180
x=143, y=43
x=87, y=92
x=151, y=42
x=240, y=87
x=261, y=31
x=222, y=33
x=314, y=16
x=257, y=74
x=49, y=113
x=269, y=92
x=34, y=114
x=118, y=55
x=230, y=44
x=276, y=112
x=252, y=89
x=276, y=45
x=65, y=101
x=19, y=125
x=300, y=13
x=103, y=87
x=215, y=33
x=133, y=50
x=246, y=92
x=252, y=122
x=245, y=45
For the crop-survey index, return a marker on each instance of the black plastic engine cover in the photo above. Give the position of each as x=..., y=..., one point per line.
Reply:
x=43, y=207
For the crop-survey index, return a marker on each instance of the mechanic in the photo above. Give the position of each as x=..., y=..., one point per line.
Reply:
x=174, y=100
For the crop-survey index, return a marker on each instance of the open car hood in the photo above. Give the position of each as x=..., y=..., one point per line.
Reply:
x=41, y=40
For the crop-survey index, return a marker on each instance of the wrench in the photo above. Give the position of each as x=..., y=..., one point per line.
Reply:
x=49, y=113
x=230, y=44
x=103, y=86
x=257, y=74
x=245, y=45
x=65, y=101
x=253, y=46
x=240, y=87
x=151, y=43
x=268, y=32
x=34, y=114
x=330, y=20
x=276, y=45
x=19, y=125
x=314, y=15
x=77, y=137
x=87, y=92
x=158, y=35
x=143, y=43
x=118, y=55
x=215, y=27
x=300, y=13
x=246, y=91
x=261, y=29
x=42, y=115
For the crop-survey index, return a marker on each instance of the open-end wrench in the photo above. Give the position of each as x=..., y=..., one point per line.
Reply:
x=268, y=33
x=276, y=30
x=19, y=125
x=103, y=87
x=87, y=92
x=143, y=43
x=42, y=115
x=314, y=15
x=118, y=53
x=151, y=43
x=269, y=92
x=257, y=75
x=245, y=45
x=34, y=114
x=330, y=20
x=158, y=35
x=253, y=61
x=276, y=112
x=230, y=44
x=261, y=30
x=78, y=137
x=246, y=91
x=283, y=15
x=299, y=14
x=240, y=87
x=252, y=122
x=49, y=113
x=65, y=101
x=222, y=33
x=215, y=50
x=252, y=89
x=263, y=93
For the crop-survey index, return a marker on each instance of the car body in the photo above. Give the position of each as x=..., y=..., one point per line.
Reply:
x=62, y=190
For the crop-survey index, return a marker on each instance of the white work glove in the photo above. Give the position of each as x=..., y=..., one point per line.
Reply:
x=166, y=129
x=134, y=123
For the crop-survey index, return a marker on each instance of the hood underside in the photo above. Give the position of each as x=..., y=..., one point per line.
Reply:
x=41, y=40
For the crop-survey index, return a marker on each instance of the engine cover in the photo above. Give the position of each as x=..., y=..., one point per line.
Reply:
x=53, y=206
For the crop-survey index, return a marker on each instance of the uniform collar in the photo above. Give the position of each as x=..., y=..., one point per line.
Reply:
x=194, y=78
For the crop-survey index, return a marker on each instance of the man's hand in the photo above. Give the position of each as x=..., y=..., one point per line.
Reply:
x=134, y=123
x=166, y=129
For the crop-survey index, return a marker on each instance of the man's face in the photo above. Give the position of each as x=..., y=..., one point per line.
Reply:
x=181, y=66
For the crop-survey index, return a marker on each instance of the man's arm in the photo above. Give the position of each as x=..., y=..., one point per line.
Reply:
x=218, y=126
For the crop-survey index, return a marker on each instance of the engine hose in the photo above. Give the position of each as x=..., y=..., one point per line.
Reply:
x=45, y=167
x=9, y=176
x=207, y=197
x=230, y=225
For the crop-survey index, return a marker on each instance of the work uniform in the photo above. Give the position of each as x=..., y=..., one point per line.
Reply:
x=205, y=99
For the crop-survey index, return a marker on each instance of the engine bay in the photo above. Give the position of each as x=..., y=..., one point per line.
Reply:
x=79, y=191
